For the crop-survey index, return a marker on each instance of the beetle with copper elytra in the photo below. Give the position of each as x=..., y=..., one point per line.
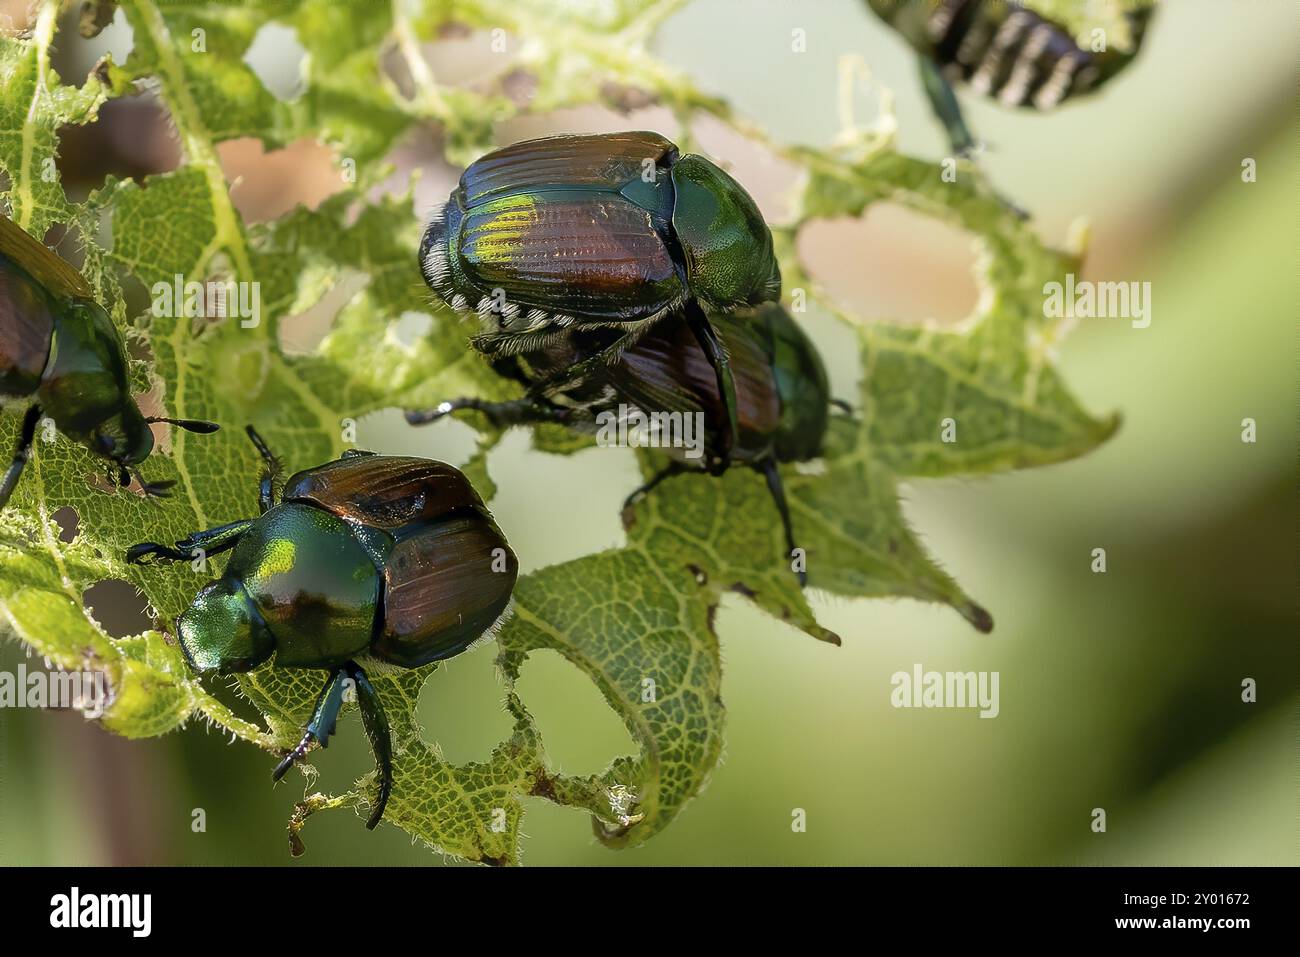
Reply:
x=620, y=231
x=782, y=396
x=59, y=347
x=369, y=560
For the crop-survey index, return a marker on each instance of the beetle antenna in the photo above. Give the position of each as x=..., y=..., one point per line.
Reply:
x=189, y=425
x=271, y=474
x=263, y=449
x=150, y=489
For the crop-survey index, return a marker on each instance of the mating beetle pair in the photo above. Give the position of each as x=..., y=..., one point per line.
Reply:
x=610, y=270
x=616, y=231
x=59, y=346
x=782, y=398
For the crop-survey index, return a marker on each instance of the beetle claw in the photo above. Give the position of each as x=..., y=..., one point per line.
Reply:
x=425, y=416
x=293, y=756
x=136, y=554
x=720, y=465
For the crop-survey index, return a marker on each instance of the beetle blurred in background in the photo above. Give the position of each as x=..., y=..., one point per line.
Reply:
x=1004, y=51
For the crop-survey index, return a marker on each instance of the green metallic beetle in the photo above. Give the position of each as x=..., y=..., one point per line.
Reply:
x=59, y=346
x=782, y=397
x=1005, y=51
x=614, y=231
x=383, y=558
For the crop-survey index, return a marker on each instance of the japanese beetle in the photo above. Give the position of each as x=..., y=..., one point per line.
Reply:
x=59, y=347
x=1001, y=50
x=612, y=231
x=782, y=397
x=377, y=558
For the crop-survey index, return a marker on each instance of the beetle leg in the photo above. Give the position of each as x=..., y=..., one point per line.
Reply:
x=212, y=541
x=324, y=717
x=945, y=105
x=266, y=487
x=26, y=435
x=137, y=553
x=716, y=353
x=773, y=476
x=845, y=407
x=517, y=412
x=579, y=372
x=375, y=722
x=668, y=471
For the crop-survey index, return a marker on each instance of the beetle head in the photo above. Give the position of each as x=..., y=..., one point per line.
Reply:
x=124, y=437
x=728, y=247
x=88, y=390
x=221, y=632
x=435, y=261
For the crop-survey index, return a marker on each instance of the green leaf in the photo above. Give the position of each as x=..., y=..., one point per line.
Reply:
x=641, y=631
x=636, y=619
x=34, y=104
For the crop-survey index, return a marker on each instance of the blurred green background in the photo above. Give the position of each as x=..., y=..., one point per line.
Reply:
x=1120, y=691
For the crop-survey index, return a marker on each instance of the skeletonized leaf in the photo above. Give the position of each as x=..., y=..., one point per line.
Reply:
x=637, y=619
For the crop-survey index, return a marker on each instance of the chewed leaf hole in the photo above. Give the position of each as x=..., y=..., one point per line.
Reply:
x=303, y=331
x=582, y=734
x=276, y=56
x=460, y=708
x=131, y=138
x=266, y=185
x=459, y=56
x=894, y=264
x=118, y=606
x=69, y=523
